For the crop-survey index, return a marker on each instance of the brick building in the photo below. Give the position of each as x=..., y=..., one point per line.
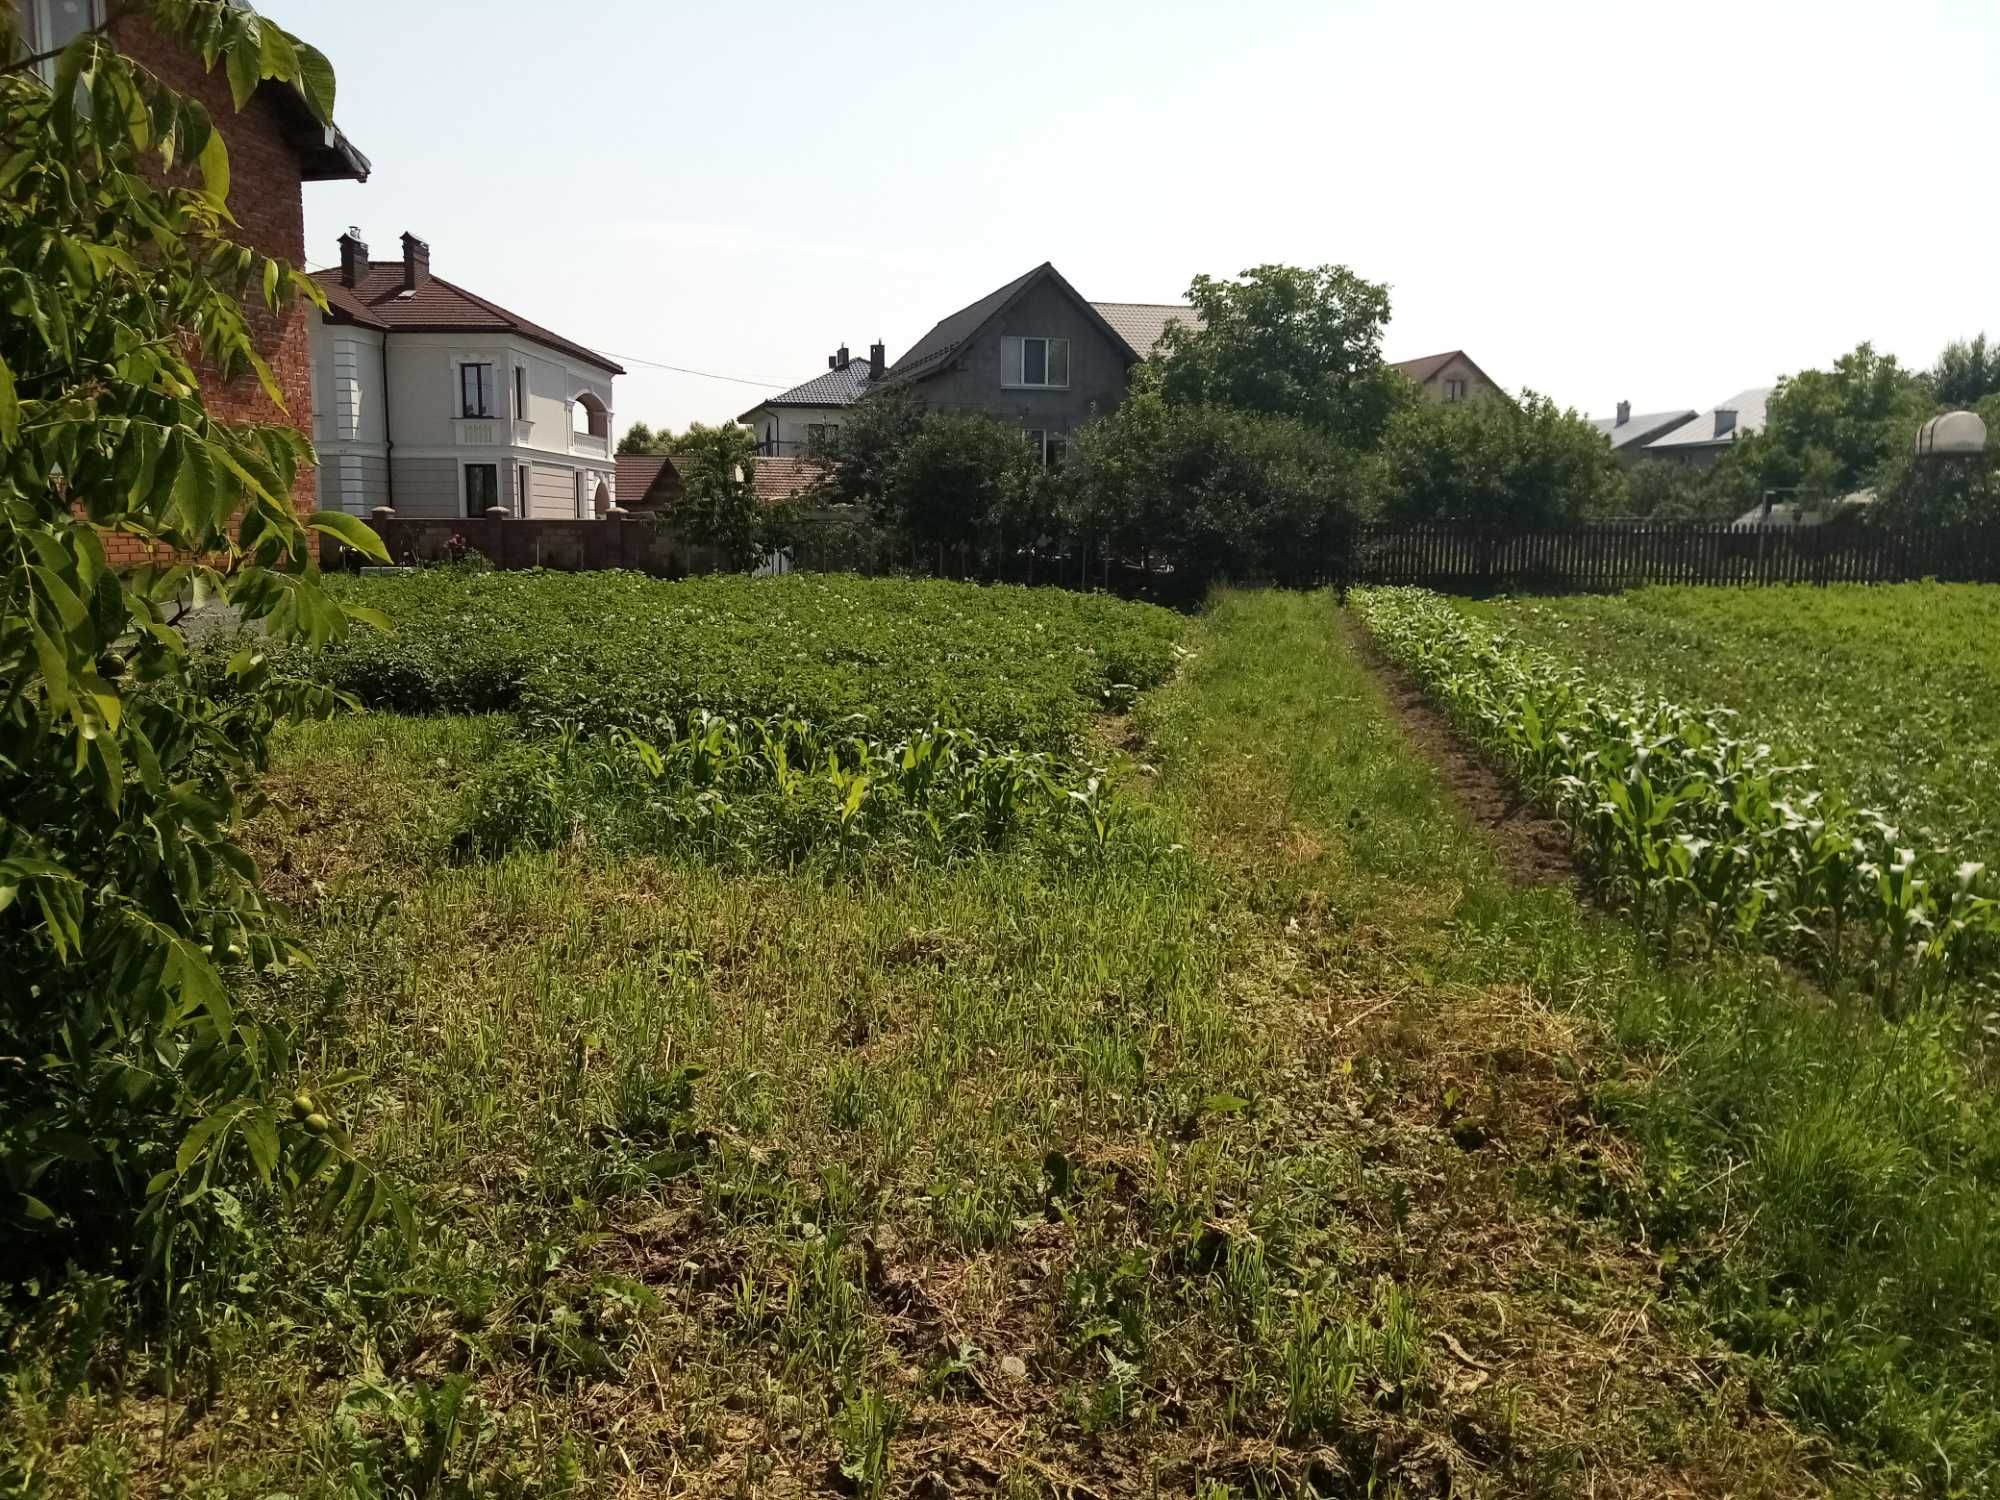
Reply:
x=275, y=146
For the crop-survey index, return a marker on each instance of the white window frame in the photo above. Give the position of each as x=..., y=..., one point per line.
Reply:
x=34, y=37
x=1013, y=362
x=458, y=368
x=465, y=486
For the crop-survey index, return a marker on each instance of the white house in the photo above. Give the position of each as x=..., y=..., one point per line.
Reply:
x=794, y=423
x=432, y=400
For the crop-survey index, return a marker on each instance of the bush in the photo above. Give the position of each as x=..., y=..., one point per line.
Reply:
x=1219, y=492
x=1493, y=461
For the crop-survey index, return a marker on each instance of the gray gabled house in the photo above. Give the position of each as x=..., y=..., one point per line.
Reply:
x=1034, y=354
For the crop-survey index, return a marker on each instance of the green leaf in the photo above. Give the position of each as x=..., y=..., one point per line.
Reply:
x=214, y=163
x=244, y=62
x=10, y=407
x=260, y=1134
x=316, y=79
x=276, y=54
x=193, y=1143
x=271, y=274
x=351, y=531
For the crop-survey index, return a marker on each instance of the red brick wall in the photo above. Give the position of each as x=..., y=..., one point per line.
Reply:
x=264, y=195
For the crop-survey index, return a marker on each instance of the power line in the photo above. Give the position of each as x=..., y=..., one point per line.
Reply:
x=654, y=364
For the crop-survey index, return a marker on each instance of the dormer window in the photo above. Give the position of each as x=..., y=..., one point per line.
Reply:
x=1034, y=364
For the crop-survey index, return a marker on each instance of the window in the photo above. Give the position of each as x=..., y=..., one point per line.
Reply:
x=475, y=390
x=49, y=25
x=1454, y=388
x=1056, y=450
x=1041, y=363
x=482, y=488
x=521, y=489
x=521, y=392
x=1037, y=442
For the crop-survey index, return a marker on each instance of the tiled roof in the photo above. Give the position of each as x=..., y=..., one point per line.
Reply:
x=1421, y=370
x=1141, y=324
x=929, y=352
x=834, y=388
x=1706, y=429
x=646, y=481
x=781, y=478
x=438, y=306
x=1641, y=429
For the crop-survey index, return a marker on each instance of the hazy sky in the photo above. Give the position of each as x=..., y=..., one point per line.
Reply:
x=1660, y=202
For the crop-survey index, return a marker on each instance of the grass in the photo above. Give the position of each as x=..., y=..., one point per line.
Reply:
x=1287, y=1148
x=1892, y=692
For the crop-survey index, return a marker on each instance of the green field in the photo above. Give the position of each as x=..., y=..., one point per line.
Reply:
x=1893, y=693
x=1221, y=1122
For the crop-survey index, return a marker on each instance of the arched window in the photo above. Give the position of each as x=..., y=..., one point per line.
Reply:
x=589, y=415
x=602, y=501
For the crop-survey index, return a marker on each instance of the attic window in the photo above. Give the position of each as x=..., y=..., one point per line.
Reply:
x=1039, y=364
x=1454, y=388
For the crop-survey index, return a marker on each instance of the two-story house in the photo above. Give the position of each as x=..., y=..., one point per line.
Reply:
x=1035, y=354
x=793, y=423
x=275, y=146
x=1451, y=376
x=433, y=401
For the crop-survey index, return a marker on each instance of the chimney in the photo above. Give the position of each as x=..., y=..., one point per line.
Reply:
x=416, y=262
x=841, y=359
x=833, y=361
x=877, y=361
x=1624, y=412
x=353, y=257
x=1725, y=421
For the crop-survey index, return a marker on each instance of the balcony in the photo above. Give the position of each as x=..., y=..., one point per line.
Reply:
x=476, y=432
x=590, y=444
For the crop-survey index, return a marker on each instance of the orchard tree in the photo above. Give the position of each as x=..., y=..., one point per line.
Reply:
x=136, y=1074
x=1288, y=342
x=956, y=480
x=1827, y=432
x=860, y=456
x=718, y=505
x=1966, y=374
x=1498, y=462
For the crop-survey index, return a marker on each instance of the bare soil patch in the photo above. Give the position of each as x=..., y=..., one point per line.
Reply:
x=1533, y=849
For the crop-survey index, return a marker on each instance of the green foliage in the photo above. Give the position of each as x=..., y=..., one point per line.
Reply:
x=1287, y=342
x=1531, y=464
x=1699, y=828
x=130, y=1083
x=605, y=650
x=718, y=506
x=955, y=479
x=1827, y=432
x=1966, y=374
x=639, y=439
x=861, y=457
x=1222, y=493
x=1664, y=491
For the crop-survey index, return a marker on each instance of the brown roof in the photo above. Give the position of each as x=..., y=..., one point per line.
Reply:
x=782, y=478
x=932, y=353
x=646, y=481
x=437, y=306
x=1426, y=369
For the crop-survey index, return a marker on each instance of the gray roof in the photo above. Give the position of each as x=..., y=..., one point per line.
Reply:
x=1641, y=427
x=834, y=388
x=1142, y=324
x=932, y=353
x=1705, y=430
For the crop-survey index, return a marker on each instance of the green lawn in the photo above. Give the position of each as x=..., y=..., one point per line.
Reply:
x=1893, y=692
x=1275, y=1143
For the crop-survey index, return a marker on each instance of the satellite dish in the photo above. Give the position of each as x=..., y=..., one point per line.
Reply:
x=1954, y=434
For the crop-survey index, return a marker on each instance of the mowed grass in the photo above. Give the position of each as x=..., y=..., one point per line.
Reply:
x=1892, y=692
x=1286, y=1149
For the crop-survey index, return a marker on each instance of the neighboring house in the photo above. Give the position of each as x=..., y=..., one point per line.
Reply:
x=1035, y=354
x=1629, y=434
x=791, y=424
x=436, y=402
x=1451, y=376
x=653, y=482
x=1699, y=442
x=275, y=146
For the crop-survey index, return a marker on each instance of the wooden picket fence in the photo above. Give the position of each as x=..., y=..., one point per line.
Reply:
x=1478, y=559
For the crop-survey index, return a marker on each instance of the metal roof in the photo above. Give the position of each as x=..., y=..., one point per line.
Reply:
x=1142, y=324
x=833, y=388
x=1640, y=428
x=932, y=353
x=1705, y=431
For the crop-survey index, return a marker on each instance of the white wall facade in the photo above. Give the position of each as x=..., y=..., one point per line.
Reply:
x=377, y=426
x=786, y=431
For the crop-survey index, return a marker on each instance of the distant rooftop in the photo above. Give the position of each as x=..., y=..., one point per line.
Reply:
x=1720, y=424
x=1639, y=428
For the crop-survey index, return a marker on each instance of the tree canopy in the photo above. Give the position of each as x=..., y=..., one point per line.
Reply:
x=1286, y=341
x=1499, y=463
x=131, y=923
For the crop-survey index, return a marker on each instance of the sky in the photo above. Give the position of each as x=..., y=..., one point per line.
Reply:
x=1658, y=203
